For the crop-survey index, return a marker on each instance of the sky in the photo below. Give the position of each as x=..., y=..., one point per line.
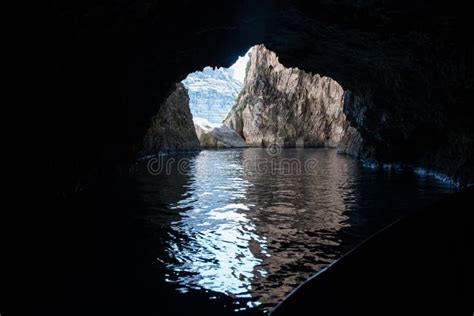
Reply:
x=238, y=67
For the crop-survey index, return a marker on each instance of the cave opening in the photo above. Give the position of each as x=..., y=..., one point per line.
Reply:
x=212, y=95
x=256, y=102
x=213, y=91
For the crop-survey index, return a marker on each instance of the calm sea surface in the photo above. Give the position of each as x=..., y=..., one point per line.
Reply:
x=234, y=231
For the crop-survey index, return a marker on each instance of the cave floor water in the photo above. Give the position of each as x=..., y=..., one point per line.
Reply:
x=233, y=231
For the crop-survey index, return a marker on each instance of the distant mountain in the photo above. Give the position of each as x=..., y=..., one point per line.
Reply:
x=212, y=93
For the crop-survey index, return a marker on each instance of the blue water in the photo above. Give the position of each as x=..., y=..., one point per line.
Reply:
x=234, y=231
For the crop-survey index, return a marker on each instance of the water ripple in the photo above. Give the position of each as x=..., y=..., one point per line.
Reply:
x=255, y=236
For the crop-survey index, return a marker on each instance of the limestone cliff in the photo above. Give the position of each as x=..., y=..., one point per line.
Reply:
x=172, y=127
x=287, y=106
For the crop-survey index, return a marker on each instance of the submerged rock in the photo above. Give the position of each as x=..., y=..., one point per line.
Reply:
x=172, y=128
x=217, y=135
x=287, y=106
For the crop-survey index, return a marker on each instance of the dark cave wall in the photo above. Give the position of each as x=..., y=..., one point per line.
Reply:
x=409, y=68
x=115, y=63
x=408, y=64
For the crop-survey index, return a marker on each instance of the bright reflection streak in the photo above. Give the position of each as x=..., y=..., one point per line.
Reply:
x=217, y=254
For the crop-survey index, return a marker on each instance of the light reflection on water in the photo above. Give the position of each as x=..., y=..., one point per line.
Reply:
x=215, y=221
x=255, y=236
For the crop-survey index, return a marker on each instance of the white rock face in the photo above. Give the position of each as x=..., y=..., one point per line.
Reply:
x=212, y=93
x=287, y=106
x=213, y=135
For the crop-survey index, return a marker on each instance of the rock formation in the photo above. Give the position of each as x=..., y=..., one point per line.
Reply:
x=287, y=106
x=410, y=62
x=217, y=135
x=172, y=127
x=212, y=92
x=351, y=142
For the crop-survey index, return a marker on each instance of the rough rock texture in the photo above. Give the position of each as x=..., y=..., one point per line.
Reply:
x=212, y=92
x=287, y=106
x=172, y=127
x=217, y=135
x=351, y=142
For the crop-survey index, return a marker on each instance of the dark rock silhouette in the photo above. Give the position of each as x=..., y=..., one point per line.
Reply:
x=172, y=128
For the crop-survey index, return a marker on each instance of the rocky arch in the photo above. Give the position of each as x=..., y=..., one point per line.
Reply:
x=408, y=64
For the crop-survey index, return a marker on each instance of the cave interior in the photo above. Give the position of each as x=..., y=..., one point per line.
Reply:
x=408, y=65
